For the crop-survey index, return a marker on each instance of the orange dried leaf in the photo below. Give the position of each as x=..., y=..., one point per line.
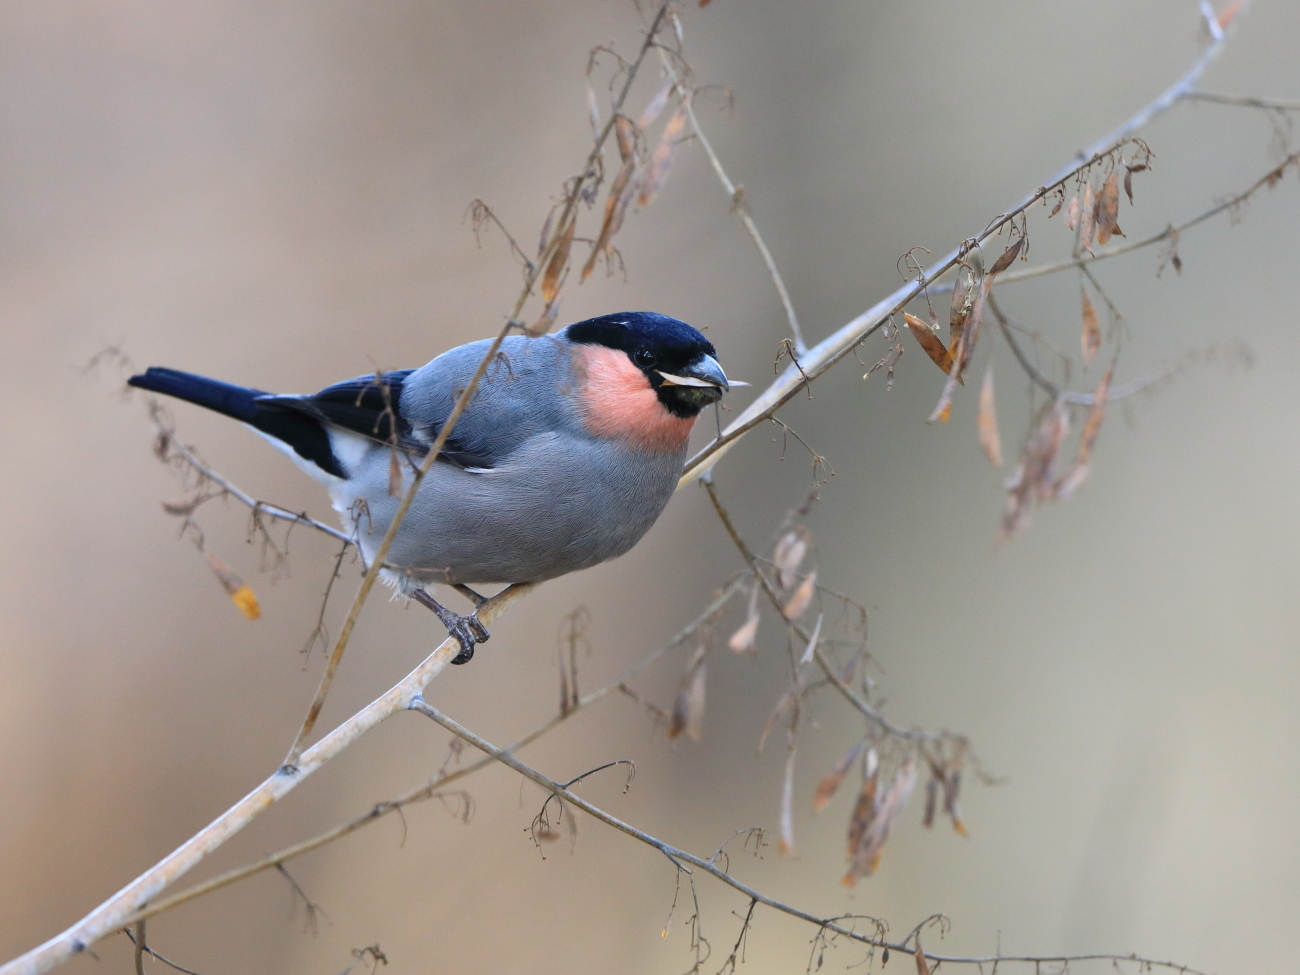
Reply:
x=783, y=706
x=1091, y=337
x=1078, y=474
x=864, y=808
x=830, y=782
x=963, y=295
x=1107, y=215
x=239, y=592
x=1008, y=256
x=865, y=856
x=661, y=160
x=1229, y=14
x=930, y=343
x=803, y=596
x=556, y=265
x=987, y=421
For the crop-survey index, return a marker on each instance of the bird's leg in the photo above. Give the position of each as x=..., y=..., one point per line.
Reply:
x=466, y=629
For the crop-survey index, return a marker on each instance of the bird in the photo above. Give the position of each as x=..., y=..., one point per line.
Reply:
x=566, y=454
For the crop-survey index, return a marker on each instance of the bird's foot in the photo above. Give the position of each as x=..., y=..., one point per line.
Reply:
x=468, y=630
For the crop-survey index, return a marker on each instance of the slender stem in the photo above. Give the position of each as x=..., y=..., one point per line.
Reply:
x=840, y=343
x=680, y=858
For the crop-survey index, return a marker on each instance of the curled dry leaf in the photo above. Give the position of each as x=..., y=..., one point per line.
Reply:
x=688, y=709
x=987, y=421
x=593, y=109
x=930, y=343
x=885, y=809
x=788, y=556
x=1088, y=219
x=625, y=133
x=931, y=801
x=803, y=596
x=1072, y=213
x=238, y=590
x=620, y=194
x=556, y=265
x=1034, y=476
x=951, y=789
x=786, y=843
x=1008, y=256
x=1091, y=337
x=742, y=641
x=963, y=295
x=1072, y=481
x=866, y=804
x=661, y=160
x=1107, y=215
x=830, y=782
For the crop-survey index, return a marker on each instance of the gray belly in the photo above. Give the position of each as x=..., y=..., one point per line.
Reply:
x=557, y=505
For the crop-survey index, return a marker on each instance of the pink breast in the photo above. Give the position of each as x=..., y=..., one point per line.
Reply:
x=618, y=401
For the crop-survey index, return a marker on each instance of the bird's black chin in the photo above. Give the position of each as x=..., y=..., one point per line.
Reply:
x=687, y=401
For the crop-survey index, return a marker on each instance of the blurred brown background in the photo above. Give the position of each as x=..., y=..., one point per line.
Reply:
x=274, y=194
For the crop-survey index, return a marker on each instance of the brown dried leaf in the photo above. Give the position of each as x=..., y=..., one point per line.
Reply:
x=556, y=265
x=788, y=556
x=930, y=343
x=1229, y=14
x=1074, y=480
x=951, y=789
x=963, y=295
x=786, y=842
x=1107, y=215
x=620, y=193
x=1072, y=212
x=625, y=133
x=987, y=421
x=865, y=807
x=742, y=641
x=922, y=964
x=830, y=782
x=238, y=590
x=1008, y=256
x=1034, y=474
x=1088, y=219
x=866, y=856
x=1060, y=202
x=656, y=171
x=688, y=709
x=931, y=801
x=803, y=596
x=1091, y=337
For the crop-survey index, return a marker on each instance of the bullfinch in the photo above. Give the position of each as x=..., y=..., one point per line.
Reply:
x=566, y=454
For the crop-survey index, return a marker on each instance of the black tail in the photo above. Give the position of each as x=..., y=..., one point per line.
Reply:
x=238, y=402
x=301, y=432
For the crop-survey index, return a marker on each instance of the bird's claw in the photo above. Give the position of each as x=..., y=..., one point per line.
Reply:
x=468, y=630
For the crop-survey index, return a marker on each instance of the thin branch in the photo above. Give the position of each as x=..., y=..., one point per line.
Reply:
x=1245, y=101
x=1170, y=233
x=1138, y=385
x=737, y=196
x=681, y=858
x=856, y=700
x=434, y=789
x=135, y=896
x=843, y=341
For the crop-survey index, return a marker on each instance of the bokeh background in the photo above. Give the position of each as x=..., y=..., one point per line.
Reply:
x=275, y=194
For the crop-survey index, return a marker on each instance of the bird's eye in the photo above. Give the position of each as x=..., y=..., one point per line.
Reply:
x=644, y=358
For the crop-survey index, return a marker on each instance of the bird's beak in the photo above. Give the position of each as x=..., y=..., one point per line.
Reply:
x=703, y=371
